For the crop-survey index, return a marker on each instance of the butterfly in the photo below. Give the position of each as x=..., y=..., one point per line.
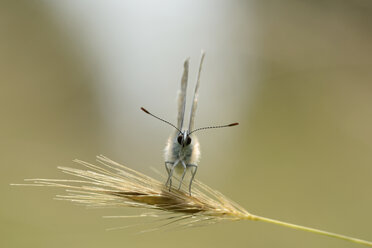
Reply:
x=182, y=151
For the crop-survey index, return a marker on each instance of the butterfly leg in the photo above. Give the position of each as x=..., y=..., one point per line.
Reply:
x=194, y=168
x=168, y=169
x=183, y=174
x=171, y=174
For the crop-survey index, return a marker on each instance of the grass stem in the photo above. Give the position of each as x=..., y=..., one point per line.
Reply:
x=309, y=229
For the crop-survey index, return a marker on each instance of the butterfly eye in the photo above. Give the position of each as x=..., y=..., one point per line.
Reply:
x=188, y=140
x=179, y=139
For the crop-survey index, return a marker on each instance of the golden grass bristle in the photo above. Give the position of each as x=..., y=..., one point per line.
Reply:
x=114, y=185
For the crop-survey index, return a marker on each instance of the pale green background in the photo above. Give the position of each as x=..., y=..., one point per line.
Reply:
x=297, y=75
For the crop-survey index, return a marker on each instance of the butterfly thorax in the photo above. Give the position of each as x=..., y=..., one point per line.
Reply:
x=175, y=150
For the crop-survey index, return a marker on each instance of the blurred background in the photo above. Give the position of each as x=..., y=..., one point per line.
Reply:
x=295, y=74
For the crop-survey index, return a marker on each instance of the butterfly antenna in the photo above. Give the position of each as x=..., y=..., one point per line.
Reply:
x=147, y=112
x=202, y=128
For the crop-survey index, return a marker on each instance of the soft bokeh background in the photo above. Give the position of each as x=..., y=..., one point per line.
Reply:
x=296, y=74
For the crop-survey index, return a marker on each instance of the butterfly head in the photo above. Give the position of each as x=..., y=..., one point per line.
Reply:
x=184, y=138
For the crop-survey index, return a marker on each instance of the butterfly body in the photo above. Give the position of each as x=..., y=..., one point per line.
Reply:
x=183, y=153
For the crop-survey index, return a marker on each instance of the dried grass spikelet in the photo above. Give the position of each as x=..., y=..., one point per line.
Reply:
x=114, y=185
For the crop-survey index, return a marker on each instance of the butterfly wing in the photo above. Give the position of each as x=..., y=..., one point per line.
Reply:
x=195, y=99
x=182, y=95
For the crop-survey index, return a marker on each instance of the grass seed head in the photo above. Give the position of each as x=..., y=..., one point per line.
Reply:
x=111, y=184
